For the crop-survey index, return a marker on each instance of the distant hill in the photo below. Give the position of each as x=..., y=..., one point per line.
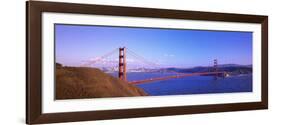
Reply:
x=82, y=82
x=233, y=69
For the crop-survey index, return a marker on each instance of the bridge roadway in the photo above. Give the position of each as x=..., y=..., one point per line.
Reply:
x=180, y=75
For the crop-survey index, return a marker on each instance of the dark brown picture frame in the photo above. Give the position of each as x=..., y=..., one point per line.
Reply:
x=34, y=10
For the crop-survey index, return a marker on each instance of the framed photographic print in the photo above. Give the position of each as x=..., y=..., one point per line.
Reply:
x=93, y=62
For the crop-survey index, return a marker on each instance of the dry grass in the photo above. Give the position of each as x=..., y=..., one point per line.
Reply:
x=82, y=82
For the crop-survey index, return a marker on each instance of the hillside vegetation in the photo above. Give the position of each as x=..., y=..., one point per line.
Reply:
x=83, y=82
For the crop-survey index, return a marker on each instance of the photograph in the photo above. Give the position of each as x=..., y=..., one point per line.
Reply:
x=95, y=61
x=101, y=62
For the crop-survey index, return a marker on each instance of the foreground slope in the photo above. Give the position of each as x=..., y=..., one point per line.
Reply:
x=82, y=82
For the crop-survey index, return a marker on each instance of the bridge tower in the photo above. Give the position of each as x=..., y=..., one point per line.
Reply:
x=216, y=68
x=215, y=65
x=122, y=64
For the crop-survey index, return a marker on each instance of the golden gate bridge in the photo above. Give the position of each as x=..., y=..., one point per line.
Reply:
x=122, y=67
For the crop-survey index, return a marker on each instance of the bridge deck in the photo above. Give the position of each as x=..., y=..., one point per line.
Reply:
x=181, y=75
